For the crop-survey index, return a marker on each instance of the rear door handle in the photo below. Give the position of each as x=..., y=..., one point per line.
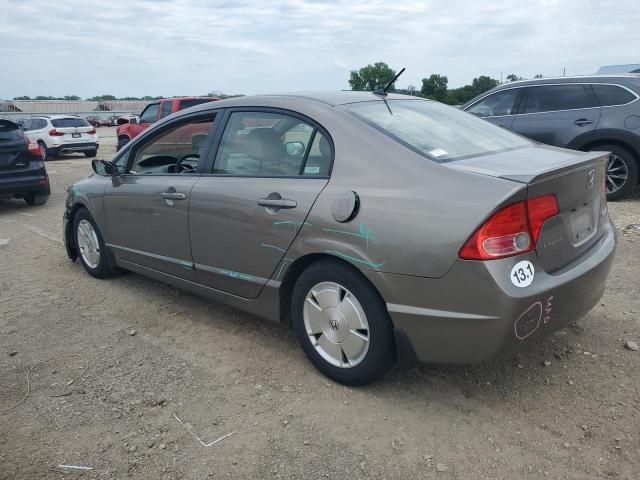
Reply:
x=582, y=122
x=277, y=203
x=173, y=195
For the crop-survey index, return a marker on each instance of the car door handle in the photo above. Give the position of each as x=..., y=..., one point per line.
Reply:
x=173, y=195
x=277, y=203
x=582, y=122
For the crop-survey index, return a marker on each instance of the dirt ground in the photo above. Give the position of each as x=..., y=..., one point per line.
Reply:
x=154, y=351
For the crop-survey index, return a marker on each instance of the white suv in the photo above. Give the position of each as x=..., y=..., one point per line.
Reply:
x=62, y=134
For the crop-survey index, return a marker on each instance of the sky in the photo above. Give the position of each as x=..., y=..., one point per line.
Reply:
x=191, y=47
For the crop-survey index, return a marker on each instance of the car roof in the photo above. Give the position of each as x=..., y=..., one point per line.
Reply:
x=618, y=77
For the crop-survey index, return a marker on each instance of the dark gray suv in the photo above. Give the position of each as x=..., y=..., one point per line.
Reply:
x=589, y=113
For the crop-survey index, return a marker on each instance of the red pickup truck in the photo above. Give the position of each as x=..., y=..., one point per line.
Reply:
x=128, y=129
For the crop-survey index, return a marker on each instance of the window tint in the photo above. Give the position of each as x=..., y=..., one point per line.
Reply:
x=65, y=122
x=319, y=160
x=437, y=131
x=190, y=103
x=166, y=109
x=497, y=104
x=176, y=151
x=551, y=98
x=269, y=144
x=150, y=114
x=26, y=125
x=612, y=95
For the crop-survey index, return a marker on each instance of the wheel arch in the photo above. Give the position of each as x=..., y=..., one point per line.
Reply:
x=72, y=251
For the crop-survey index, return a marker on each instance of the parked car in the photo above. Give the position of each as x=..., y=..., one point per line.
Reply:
x=592, y=113
x=129, y=128
x=57, y=134
x=96, y=121
x=384, y=228
x=22, y=171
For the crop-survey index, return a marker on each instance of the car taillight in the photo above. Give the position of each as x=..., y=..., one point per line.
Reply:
x=92, y=131
x=34, y=148
x=510, y=231
x=55, y=133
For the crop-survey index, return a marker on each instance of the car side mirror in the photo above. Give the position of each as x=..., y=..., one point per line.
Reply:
x=104, y=168
x=294, y=149
x=133, y=120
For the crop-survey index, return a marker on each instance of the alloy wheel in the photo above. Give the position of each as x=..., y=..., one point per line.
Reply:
x=617, y=173
x=336, y=324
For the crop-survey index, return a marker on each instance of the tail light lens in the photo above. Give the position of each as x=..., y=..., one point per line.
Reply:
x=55, y=133
x=92, y=131
x=510, y=231
x=34, y=148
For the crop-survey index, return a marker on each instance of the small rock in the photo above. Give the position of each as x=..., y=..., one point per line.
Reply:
x=13, y=354
x=287, y=389
x=362, y=466
x=630, y=345
x=584, y=427
x=566, y=445
x=307, y=442
x=285, y=422
x=570, y=382
x=132, y=332
x=175, y=448
x=162, y=446
x=547, y=363
x=151, y=444
x=520, y=365
x=441, y=467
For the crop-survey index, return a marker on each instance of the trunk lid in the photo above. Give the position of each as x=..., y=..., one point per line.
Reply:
x=76, y=130
x=577, y=181
x=13, y=147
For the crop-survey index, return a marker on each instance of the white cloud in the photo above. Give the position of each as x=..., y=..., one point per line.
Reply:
x=195, y=46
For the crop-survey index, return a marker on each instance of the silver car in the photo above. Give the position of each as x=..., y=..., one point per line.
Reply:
x=386, y=229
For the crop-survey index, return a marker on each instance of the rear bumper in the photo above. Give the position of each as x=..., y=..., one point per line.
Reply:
x=475, y=313
x=24, y=186
x=76, y=147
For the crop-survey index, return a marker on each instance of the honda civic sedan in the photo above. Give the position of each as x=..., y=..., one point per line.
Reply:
x=385, y=229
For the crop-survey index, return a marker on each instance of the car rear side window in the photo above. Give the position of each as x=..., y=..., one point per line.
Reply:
x=68, y=122
x=191, y=102
x=611, y=95
x=439, y=132
x=496, y=105
x=552, y=98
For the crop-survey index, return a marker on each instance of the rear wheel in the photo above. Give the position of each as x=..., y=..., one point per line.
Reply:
x=622, y=171
x=91, y=153
x=90, y=245
x=342, y=324
x=44, y=151
x=121, y=143
x=36, y=200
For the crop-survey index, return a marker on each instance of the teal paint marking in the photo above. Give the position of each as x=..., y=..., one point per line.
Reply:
x=364, y=232
x=295, y=223
x=232, y=274
x=354, y=259
x=284, y=262
x=187, y=265
x=268, y=245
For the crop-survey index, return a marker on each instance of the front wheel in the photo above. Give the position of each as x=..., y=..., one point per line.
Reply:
x=342, y=324
x=622, y=171
x=90, y=245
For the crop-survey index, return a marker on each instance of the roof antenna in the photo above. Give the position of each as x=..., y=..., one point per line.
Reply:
x=383, y=91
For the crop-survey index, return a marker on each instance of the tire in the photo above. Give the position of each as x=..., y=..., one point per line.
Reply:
x=121, y=143
x=621, y=159
x=99, y=267
x=91, y=153
x=36, y=200
x=46, y=153
x=358, y=352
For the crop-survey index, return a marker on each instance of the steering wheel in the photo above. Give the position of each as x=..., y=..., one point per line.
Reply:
x=186, y=168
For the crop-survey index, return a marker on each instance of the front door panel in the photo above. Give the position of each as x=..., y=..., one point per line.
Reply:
x=148, y=221
x=236, y=243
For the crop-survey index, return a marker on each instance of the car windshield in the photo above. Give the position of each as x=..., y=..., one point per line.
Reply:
x=69, y=122
x=438, y=132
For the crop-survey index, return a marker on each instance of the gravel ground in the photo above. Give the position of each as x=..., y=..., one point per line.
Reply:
x=567, y=408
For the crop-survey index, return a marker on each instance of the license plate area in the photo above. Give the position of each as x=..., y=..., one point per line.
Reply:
x=76, y=135
x=582, y=225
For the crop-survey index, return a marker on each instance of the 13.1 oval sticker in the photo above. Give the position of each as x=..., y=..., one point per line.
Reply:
x=522, y=274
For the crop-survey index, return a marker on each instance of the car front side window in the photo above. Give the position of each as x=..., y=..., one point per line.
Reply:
x=496, y=104
x=178, y=150
x=265, y=144
x=150, y=114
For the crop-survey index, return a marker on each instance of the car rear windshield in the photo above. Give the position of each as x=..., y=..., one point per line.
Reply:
x=190, y=103
x=436, y=131
x=69, y=122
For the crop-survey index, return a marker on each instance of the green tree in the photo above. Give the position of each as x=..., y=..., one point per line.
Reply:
x=44, y=97
x=371, y=77
x=24, y=97
x=482, y=84
x=435, y=87
x=102, y=98
x=512, y=77
x=71, y=97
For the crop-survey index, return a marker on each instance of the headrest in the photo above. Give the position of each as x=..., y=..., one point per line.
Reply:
x=264, y=144
x=325, y=147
